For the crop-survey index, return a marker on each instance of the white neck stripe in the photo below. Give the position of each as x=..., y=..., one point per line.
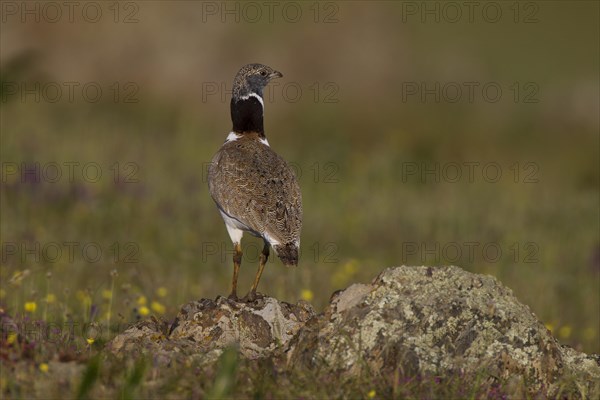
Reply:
x=246, y=97
x=232, y=137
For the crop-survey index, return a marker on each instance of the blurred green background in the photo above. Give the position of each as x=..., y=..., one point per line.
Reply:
x=376, y=144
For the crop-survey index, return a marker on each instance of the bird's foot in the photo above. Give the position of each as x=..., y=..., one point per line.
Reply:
x=252, y=296
x=233, y=296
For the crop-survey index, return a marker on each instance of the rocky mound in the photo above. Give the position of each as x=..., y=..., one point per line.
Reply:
x=417, y=320
x=205, y=327
x=441, y=321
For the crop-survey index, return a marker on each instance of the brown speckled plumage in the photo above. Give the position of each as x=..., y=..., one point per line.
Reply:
x=253, y=187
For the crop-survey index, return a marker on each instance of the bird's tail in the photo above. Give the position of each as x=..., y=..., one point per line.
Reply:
x=287, y=253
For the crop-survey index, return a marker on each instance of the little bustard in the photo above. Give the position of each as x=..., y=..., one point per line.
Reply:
x=253, y=187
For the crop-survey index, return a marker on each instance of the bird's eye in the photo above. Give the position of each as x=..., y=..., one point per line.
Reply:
x=263, y=73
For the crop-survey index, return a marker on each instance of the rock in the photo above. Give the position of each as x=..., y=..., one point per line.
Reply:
x=259, y=328
x=440, y=321
x=413, y=321
x=205, y=327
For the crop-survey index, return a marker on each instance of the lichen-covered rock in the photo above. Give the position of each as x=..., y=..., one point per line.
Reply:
x=443, y=320
x=258, y=328
x=150, y=338
x=205, y=327
x=413, y=321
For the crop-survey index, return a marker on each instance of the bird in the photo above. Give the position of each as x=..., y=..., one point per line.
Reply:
x=253, y=187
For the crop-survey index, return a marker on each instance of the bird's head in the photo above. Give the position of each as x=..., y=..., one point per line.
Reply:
x=251, y=79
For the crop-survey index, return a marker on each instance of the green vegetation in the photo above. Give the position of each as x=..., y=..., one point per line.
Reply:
x=84, y=255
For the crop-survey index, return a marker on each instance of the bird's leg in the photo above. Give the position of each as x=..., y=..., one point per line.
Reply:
x=237, y=260
x=262, y=260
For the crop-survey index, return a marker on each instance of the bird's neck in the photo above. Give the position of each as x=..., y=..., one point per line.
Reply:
x=247, y=114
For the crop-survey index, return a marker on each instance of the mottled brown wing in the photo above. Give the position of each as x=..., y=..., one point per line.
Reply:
x=253, y=184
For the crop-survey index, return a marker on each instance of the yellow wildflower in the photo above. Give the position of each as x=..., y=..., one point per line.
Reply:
x=141, y=300
x=11, y=338
x=30, y=306
x=346, y=272
x=107, y=294
x=85, y=298
x=564, y=332
x=371, y=394
x=549, y=326
x=44, y=367
x=351, y=267
x=157, y=307
x=144, y=311
x=50, y=298
x=90, y=341
x=307, y=295
x=161, y=292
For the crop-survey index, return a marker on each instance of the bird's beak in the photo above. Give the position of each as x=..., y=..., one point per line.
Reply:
x=275, y=74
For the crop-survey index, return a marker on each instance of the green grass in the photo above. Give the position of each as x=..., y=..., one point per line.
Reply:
x=163, y=231
x=105, y=376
